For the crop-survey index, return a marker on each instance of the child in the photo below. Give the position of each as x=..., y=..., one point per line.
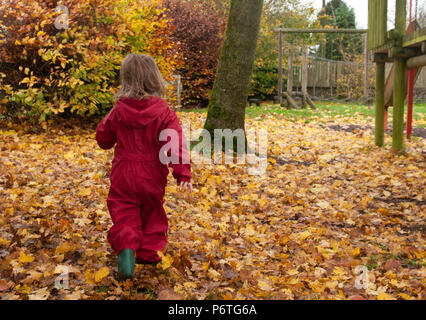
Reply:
x=138, y=178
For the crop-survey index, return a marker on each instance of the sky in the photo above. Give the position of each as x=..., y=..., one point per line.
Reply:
x=360, y=6
x=361, y=9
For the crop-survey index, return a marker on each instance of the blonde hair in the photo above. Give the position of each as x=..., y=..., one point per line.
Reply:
x=140, y=78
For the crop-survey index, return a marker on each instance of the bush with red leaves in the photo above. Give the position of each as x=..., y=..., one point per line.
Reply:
x=199, y=28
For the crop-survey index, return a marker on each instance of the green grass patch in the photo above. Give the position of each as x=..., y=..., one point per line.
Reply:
x=325, y=110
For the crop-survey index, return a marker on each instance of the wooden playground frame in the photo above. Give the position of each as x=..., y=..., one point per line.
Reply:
x=407, y=50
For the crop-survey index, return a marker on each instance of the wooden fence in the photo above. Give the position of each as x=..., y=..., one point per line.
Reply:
x=323, y=73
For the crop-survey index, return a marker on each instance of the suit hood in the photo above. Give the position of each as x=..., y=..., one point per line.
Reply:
x=139, y=113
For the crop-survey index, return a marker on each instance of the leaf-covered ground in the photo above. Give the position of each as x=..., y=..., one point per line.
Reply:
x=330, y=202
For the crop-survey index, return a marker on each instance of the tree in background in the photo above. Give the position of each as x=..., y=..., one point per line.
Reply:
x=231, y=87
x=421, y=14
x=198, y=28
x=46, y=71
x=340, y=46
x=222, y=6
x=284, y=14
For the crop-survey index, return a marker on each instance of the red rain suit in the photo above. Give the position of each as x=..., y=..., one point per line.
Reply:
x=138, y=178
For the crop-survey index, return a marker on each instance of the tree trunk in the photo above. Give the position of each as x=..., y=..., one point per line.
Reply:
x=231, y=87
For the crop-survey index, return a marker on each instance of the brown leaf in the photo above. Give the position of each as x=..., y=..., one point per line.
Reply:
x=169, y=294
x=392, y=265
x=4, y=285
x=245, y=275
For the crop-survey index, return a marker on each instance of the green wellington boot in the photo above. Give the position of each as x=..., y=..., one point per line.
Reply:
x=126, y=264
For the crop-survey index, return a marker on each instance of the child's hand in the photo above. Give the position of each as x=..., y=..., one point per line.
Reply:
x=186, y=186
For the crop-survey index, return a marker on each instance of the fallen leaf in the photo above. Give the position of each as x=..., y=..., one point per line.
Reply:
x=85, y=192
x=356, y=252
x=166, y=260
x=4, y=285
x=23, y=258
x=385, y=296
x=101, y=274
x=41, y=294
x=169, y=294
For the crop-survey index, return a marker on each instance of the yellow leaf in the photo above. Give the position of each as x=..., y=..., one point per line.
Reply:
x=8, y=211
x=263, y=202
x=27, y=70
x=89, y=276
x=69, y=155
x=85, y=192
x=405, y=296
x=190, y=285
x=25, y=80
x=265, y=286
x=385, y=296
x=166, y=261
x=64, y=248
x=206, y=266
x=339, y=271
x=17, y=42
x=292, y=272
x=323, y=204
x=23, y=258
x=101, y=274
x=213, y=274
x=383, y=211
x=4, y=242
x=303, y=235
x=250, y=231
x=356, y=252
x=35, y=275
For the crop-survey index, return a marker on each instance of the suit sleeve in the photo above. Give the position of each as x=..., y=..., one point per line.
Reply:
x=182, y=169
x=106, y=132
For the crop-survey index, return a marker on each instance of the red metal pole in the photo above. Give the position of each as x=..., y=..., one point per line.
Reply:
x=386, y=118
x=410, y=101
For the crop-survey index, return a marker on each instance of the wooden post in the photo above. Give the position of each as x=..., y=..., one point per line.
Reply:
x=399, y=94
x=280, y=68
x=304, y=78
x=315, y=78
x=291, y=103
x=178, y=83
x=411, y=80
x=330, y=78
x=348, y=80
x=416, y=62
x=310, y=102
x=380, y=103
x=290, y=74
x=323, y=23
x=365, y=70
